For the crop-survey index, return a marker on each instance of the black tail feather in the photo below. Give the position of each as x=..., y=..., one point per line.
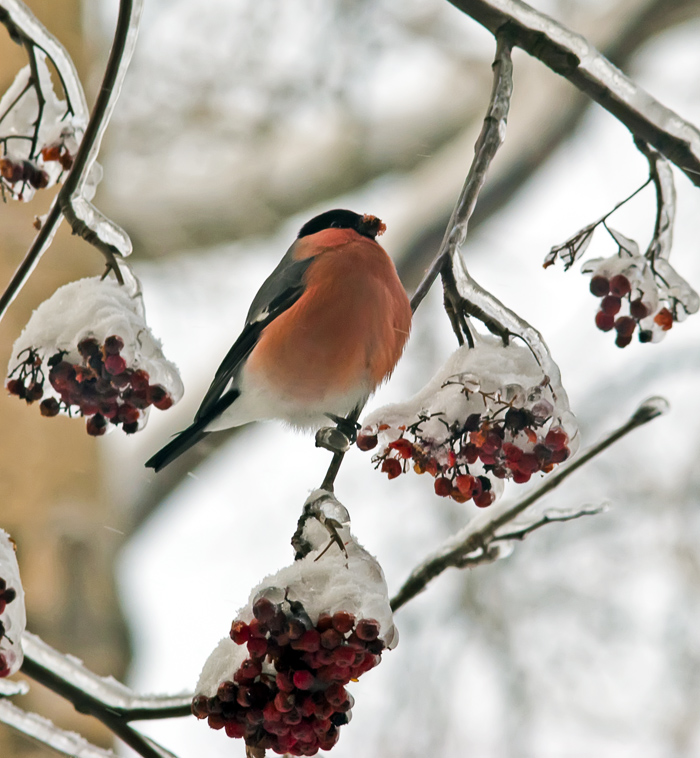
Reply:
x=175, y=448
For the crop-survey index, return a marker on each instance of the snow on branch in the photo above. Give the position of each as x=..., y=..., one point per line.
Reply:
x=480, y=541
x=82, y=135
x=573, y=57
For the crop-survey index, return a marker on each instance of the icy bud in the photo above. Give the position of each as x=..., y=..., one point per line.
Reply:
x=489, y=414
x=638, y=295
x=88, y=351
x=36, y=151
x=278, y=680
x=13, y=617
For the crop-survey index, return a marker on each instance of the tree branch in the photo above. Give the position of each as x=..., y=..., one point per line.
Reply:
x=474, y=543
x=574, y=58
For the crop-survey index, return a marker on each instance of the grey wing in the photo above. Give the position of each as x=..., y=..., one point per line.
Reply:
x=279, y=291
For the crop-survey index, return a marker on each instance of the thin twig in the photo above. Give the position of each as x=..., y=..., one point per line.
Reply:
x=548, y=517
x=478, y=535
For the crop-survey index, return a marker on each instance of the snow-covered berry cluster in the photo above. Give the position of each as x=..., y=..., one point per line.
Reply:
x=279, y=679
x=488, y=415
x=88, y=352
x=101, y=387
x=289, y=693
x=39, y=137
x=638, y=295
x=12, y=612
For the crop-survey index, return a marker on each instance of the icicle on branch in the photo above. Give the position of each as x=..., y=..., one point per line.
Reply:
x=474, y=544
x=573, y=57
x=73, y=200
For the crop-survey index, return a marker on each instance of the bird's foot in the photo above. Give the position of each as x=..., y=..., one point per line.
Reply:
x=338, y=439
x=348, y=427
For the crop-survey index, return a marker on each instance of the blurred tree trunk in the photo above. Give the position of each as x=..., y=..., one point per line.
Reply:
x=58, y=515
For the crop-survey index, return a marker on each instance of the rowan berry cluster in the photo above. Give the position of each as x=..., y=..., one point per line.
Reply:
x=7, y=595
x=100, y=387
x=506, y=441
x=22, y=171
x=638, y=297
x=288, y=694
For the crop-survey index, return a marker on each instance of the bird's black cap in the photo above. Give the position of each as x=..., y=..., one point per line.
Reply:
x=368, y=226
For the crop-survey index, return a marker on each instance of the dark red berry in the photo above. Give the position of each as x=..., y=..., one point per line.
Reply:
x=113, y=345
x=604, y=322
x=366, y=441
x=600, y=286
x=303, y=680
x=443, y=486
x=88, y=347
x=115, y=364
x=343, y=621
x=49, y=407
x=620, y=285
x=638, y=310
x=367, y=629
x=16, y=387
x=484, y=499
x=96, y=425
x=625, y=326
x=610, y=305
x=240, y=633
x=622, y=340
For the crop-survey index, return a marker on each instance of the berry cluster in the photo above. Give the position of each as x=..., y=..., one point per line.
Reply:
x=616, y=291
x=24, y=171
x=288, y=695
x=100, y=387
x=7, y=595
x=505, y=442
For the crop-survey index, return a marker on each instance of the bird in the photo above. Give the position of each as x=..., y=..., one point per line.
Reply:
x=325, y=329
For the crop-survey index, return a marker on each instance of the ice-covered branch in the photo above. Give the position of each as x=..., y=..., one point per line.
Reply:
x=521, y=530
x=73, y=200
x=574, y=58
x=474, y=543
x=661, y=174
x=67, y=671
x=490, y=139
x=48, y=734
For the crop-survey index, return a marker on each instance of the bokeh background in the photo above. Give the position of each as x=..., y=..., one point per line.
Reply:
x=240, y=119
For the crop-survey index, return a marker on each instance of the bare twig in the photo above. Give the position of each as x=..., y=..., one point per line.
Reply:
x=520, y=531
x=473, y=543
x=574, y=58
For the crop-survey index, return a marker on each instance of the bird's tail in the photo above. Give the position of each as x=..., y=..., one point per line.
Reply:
x=177, y=446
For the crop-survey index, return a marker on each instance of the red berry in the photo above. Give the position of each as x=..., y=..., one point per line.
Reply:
x=16, y=387
x=303, y=680
x=604, y=322
x=403, y=447
x=343, y=621
x=443, y=486
x=465, y=484
x=600, y=286
x=610, y=305
x=625, y=326
x=49, y=407
x=336, y=694
x=367, y=629
x=240, y=633
x=484, y=499
x=556, y=438
x=88, y=347
x=140, y=379
x=115, y=364
x=620, y=285
x=638, y=310
x=96, y=425
x=113, y=345
x=309, y=642
x=284, y=702
x=366, y=441
x=391, y=467
x=331, y=638
x=622, y=340
x=664, y=319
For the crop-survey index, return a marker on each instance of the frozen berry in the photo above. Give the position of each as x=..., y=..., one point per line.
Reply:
x=403, y=447
x=159, y=397
x=113, y=345
x=610, y=305
x=620, y=285
x=600, y=286
x=366, y=441
x=343, y=621
x=391, y=467
x=96, y=425
x=646, y=335
x=115, y=364
x=303, y=680
x=638, y=310
x=604, y=322
x=556, y=438
x=443, y=486
x=465, y=484
x=664, y=319
x=49, y=407
x=88, y=347
x=16, y=387
x=625, y=326
x=484, y=499
x=367, y=629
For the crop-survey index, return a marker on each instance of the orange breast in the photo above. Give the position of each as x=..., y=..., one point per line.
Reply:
x=348, y=329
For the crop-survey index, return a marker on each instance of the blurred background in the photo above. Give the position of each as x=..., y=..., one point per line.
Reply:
x=241, y=119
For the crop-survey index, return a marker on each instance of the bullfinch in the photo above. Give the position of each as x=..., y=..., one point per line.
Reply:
x=326, y=328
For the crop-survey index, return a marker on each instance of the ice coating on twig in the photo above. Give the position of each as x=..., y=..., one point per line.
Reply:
x=91, y=342
x=490, y=413
x=13, y=616
x=278, y=681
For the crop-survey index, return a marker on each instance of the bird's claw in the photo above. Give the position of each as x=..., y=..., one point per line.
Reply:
x=347, y=426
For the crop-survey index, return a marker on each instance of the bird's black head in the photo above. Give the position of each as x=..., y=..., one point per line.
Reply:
x=368, y=226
